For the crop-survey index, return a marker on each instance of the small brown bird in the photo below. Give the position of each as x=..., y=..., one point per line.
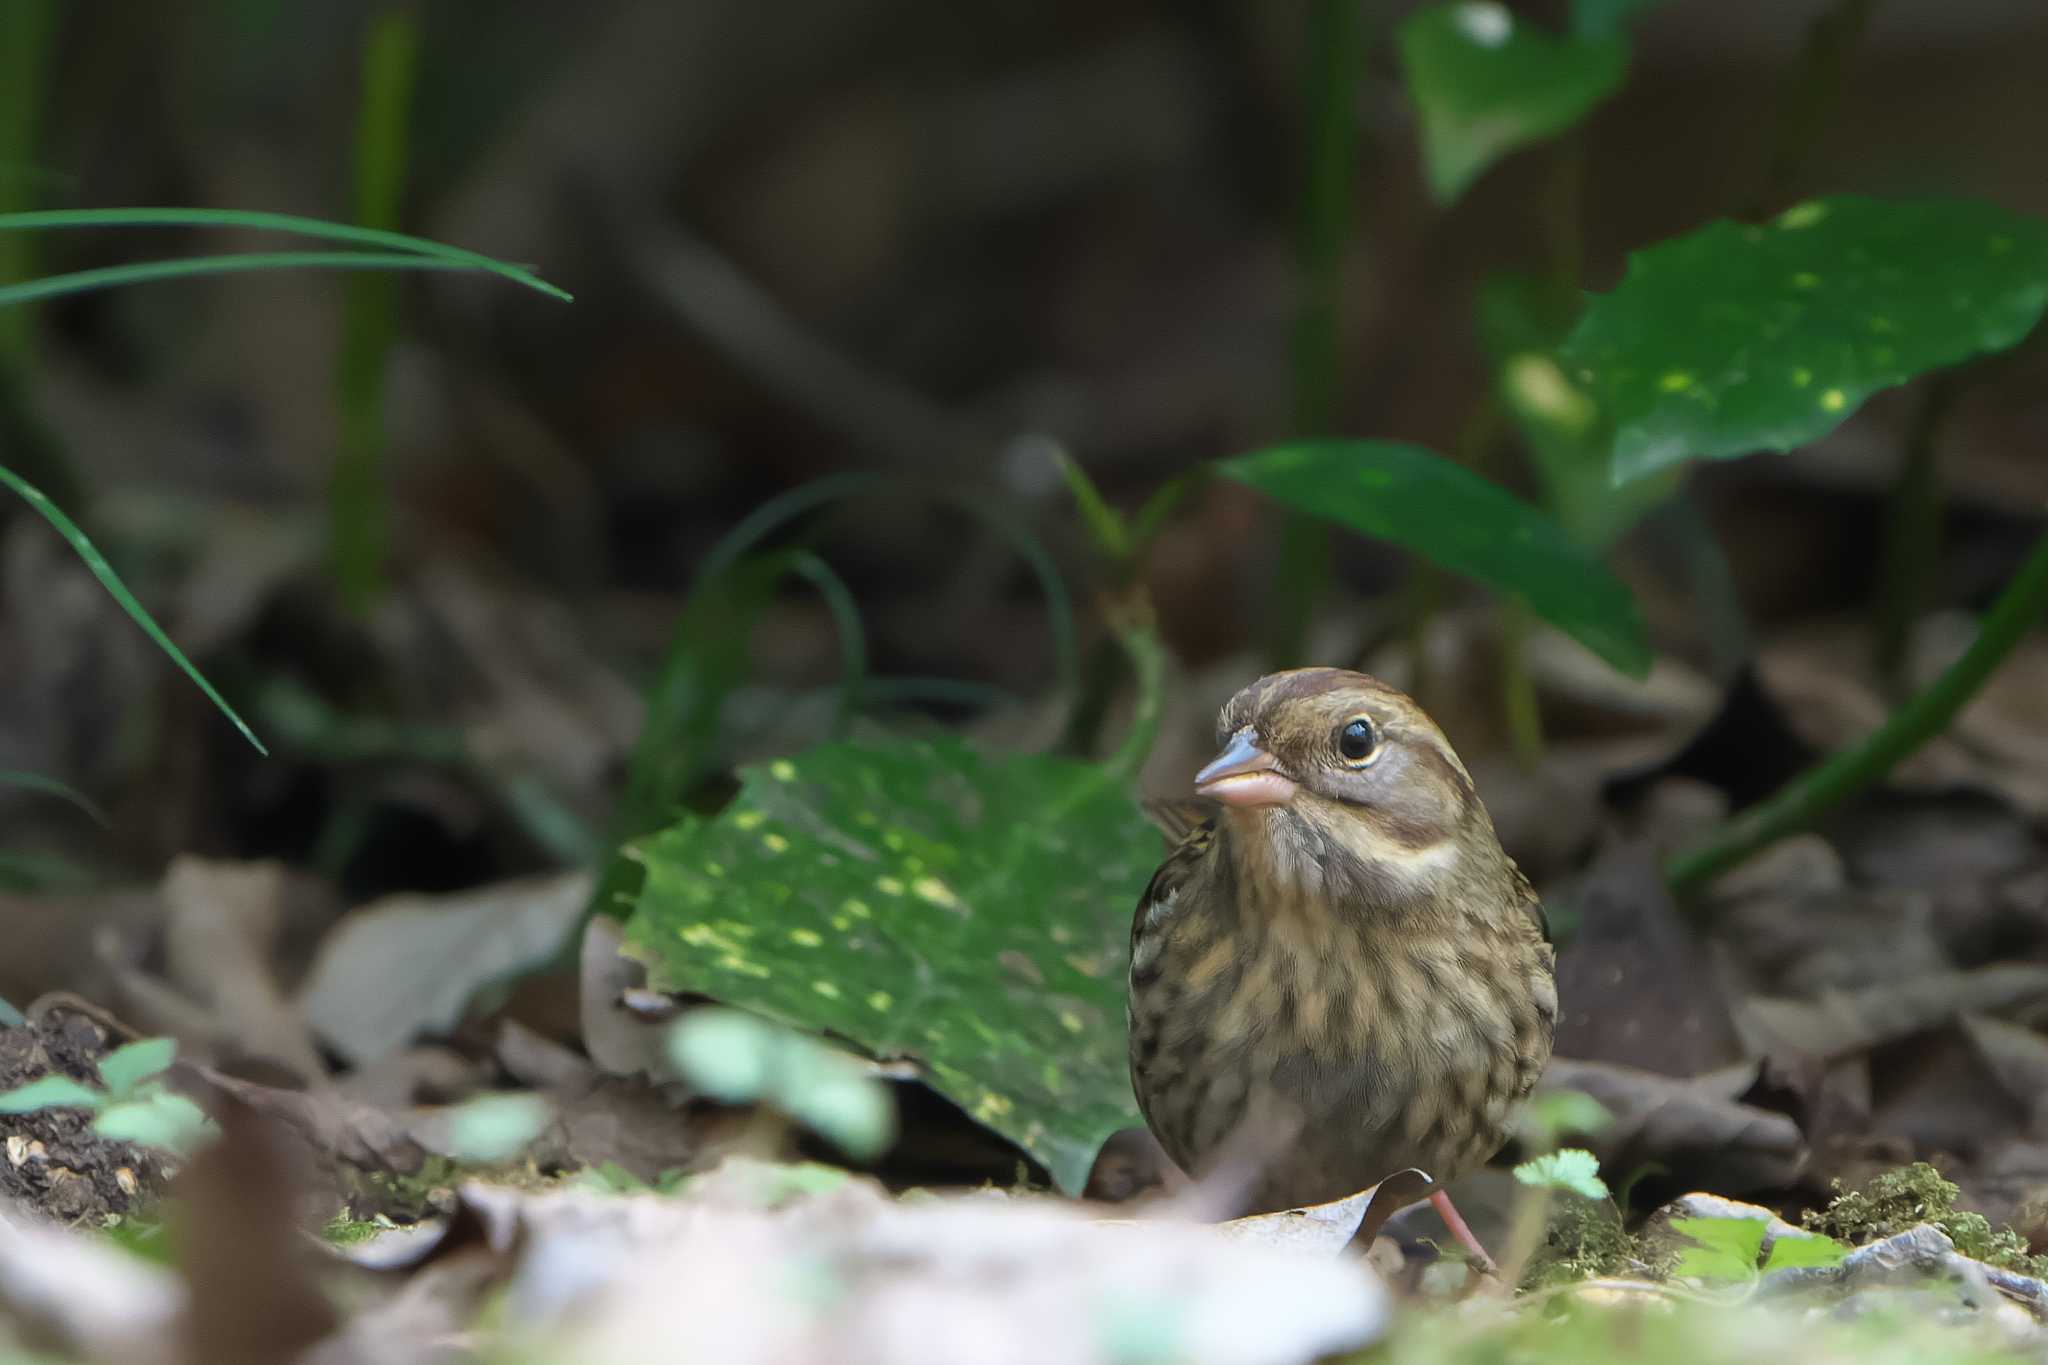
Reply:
x=1343, y=947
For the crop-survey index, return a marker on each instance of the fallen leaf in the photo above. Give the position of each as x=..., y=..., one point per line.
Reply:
x=409, y=965
x=1695, y=1124
x=1839, y=1023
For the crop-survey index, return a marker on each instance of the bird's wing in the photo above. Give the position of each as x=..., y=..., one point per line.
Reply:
x=1163, y=892
x=1532, y=904
x=1178, y=816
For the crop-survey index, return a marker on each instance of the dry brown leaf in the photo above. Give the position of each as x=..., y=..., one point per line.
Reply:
x=1695, y=1125
x=409, y=965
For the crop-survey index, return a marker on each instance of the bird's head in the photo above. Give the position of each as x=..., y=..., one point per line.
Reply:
x=1323, y=761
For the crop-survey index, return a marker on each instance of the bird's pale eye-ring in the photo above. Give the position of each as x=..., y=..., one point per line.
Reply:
x=1358, y=741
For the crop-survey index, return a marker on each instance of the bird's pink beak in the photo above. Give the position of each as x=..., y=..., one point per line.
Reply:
x=1245, y=775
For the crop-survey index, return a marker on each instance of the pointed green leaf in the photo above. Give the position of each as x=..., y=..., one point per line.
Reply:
x=1457, y=519
x=1485, y=82
x=921, y=899
x=1738, y=338
x=49, y=1092
x=131, y=1064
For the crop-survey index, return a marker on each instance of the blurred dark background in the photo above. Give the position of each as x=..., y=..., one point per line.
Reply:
x=929, y=240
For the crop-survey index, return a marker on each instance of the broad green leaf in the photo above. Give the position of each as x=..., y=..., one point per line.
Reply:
x=1573, y=1169
x=50, y=1092
x=1485, y=82
x=131, y=1064
x=922, y=899
x=1723, y=1248
x=1454, y=517
x=1738, y=338
x=1804, y=1251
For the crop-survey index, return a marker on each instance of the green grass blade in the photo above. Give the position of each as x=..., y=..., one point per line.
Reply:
x=143, y=272
x=358, y=502
x=260, y=221
x=50, y=786
x=111, y=581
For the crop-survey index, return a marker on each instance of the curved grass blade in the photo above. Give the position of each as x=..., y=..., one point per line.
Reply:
x=260, y=221
x=50, y=786
x=853, y=637
x=757, y=525
x=144, y=272
x=111, y=581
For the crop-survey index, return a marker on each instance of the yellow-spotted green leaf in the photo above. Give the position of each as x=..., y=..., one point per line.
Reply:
x=921, y=899
x=1466, y=523
x=1738, y=338
x=1486, y=82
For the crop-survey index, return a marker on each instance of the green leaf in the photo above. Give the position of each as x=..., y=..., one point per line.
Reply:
x=131, y=1064
x=1454, y=517
x=495, y=1128
x=450, y=257
x=1737, y=338
x=1552, y=1113
x=738, y=1058
x=50, y=786
x=1112, y=534
x=1523, y=323
x=1485, y=83
x=190, y=267
x=111, y=581
x=1804, y=1251
x=921, y=899
x=1723, y=1249
x=1571, y=1168
x=160, y=1119
x=50, y=1092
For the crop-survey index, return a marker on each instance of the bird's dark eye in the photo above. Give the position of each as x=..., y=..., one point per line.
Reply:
x=1357, y=739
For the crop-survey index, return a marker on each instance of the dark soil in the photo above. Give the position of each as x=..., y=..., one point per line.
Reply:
x=54, y=1162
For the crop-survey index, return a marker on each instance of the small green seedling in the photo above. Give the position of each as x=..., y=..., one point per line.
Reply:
x=740, y=1058
x=1571, y=1168
x=135, y=1104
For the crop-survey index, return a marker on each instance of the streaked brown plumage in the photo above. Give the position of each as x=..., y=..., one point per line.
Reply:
x=1343, y=944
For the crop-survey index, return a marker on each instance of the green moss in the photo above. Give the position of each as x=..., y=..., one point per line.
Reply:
x=344, y=1231
x=1584, y=1240
x=1897, y=1200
